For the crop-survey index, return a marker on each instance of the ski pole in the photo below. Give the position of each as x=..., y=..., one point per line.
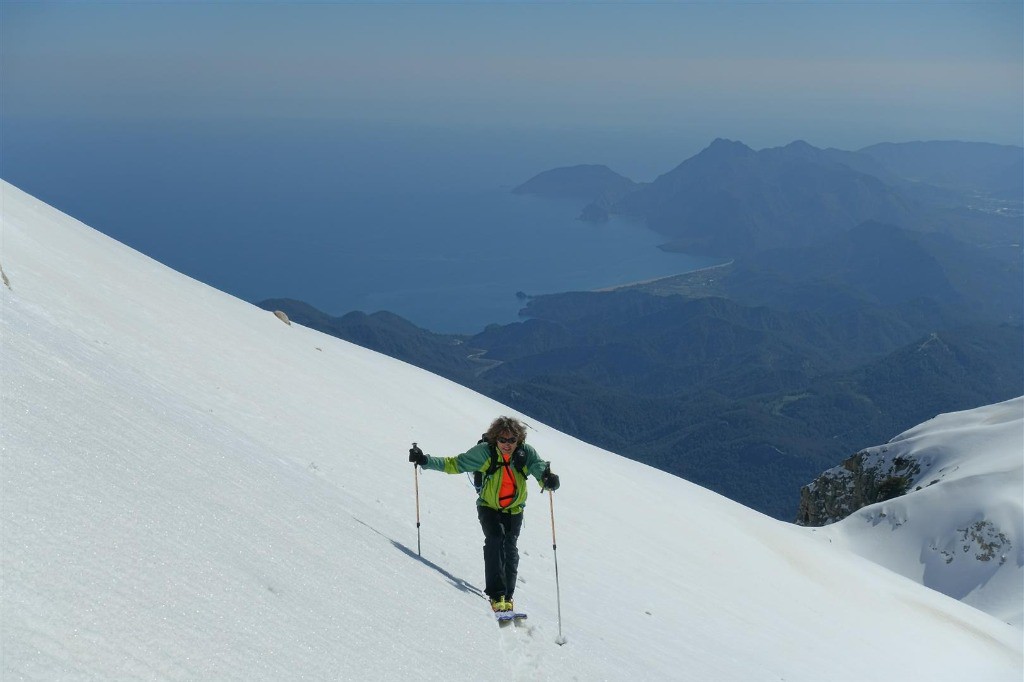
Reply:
x=560, y=640
x=416, y=482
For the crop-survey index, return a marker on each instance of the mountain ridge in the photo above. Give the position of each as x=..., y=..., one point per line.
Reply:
x=730, y=200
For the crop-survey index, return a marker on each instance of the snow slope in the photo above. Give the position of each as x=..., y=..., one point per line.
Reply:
x=193, y=489
x=960, y=529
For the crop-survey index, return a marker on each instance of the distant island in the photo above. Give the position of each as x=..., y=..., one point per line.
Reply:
x=599, y=186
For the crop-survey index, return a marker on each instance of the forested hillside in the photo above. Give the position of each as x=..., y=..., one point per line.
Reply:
x=830, y=329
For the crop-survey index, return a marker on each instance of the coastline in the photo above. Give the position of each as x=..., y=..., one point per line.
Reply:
x=655, y=280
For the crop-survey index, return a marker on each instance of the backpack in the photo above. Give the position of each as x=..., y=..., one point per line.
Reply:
x=517, y=461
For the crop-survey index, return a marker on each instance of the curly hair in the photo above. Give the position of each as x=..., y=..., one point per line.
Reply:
x=503, y=424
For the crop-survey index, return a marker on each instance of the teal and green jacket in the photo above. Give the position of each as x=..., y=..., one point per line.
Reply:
x=478, y=458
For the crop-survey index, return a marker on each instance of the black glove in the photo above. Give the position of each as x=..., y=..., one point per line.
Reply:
x=416, y=456
x=549, y=480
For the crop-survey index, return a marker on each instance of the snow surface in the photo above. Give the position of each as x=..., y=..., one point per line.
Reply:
x=960, y=529
x=194, y=490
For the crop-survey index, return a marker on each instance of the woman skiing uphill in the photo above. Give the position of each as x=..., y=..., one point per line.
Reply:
x=504, y=460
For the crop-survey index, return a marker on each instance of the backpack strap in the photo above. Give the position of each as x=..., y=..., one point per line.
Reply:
x=517, y=461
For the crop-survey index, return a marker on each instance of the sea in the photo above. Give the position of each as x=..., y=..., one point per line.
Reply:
x=421, y=223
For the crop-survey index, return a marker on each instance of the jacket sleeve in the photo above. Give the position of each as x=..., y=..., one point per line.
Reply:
x=534, y=464
x=473, y=459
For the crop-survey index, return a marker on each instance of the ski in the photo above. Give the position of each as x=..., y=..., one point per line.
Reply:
x=506, y=618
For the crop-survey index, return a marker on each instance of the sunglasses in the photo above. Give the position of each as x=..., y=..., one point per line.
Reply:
x=507, y=440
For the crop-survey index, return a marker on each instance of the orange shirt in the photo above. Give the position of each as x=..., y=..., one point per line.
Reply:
x=508, y=484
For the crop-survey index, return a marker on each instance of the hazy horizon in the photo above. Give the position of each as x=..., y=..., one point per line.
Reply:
x=835, y=74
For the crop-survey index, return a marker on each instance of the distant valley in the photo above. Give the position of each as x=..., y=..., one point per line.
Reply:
x=867, y=291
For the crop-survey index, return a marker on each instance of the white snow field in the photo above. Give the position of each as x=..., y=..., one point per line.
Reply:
x=194, y=490
x=960, y=529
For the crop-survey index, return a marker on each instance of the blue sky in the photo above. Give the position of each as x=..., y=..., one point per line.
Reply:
x=835, y=74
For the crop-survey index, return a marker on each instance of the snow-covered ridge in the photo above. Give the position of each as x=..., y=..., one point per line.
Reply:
x=192, y=489
x=959, y=529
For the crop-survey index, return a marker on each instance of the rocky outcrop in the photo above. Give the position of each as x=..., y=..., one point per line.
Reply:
x=867, y=477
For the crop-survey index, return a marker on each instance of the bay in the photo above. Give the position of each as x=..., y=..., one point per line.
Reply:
x=421, y=223
x=455, y=262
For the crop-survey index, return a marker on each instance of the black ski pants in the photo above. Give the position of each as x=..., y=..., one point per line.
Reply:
x=501, y=554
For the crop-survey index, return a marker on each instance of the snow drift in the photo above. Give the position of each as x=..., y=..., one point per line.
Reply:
x=194, y=490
